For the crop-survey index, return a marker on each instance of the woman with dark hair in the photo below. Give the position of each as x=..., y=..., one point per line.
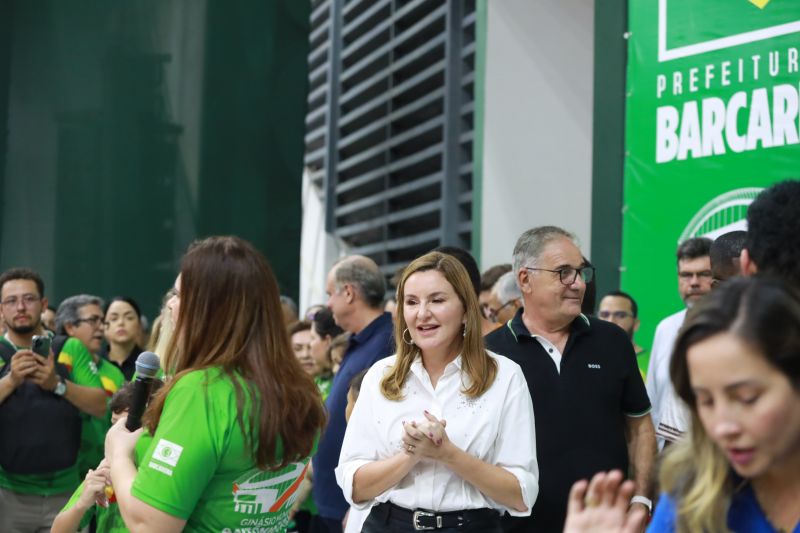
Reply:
x=228, y=438
x=123, y=321
x=736, y=365
x=323, y=331
x=434, y=440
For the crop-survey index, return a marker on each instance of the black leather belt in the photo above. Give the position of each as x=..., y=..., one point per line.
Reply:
x=422, y=520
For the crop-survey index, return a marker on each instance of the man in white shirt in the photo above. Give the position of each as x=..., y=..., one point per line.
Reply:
x=694, y=281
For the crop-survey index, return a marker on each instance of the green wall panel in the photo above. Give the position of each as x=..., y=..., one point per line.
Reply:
x=134, y=128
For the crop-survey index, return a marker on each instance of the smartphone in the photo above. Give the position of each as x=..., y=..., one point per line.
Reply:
x=41, y=344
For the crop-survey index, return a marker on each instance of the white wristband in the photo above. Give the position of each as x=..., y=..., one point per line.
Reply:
x=644, y=500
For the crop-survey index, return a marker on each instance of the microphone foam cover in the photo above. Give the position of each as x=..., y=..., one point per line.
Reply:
x=147, y=365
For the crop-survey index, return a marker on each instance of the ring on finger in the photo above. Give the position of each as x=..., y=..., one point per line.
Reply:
x=591, y=501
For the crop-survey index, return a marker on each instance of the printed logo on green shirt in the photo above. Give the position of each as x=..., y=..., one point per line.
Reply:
x=168, y=453
x=257, y=492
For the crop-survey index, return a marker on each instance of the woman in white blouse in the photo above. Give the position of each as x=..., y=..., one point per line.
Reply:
x=442, y=435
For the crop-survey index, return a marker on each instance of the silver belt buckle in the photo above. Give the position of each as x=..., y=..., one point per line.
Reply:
x=418, y=527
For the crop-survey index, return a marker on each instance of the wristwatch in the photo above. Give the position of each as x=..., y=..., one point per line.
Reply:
x=61, y=387
x=644, y=500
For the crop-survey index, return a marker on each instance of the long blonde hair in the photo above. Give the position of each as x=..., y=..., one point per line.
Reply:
x=480, y=368
x=697, y=472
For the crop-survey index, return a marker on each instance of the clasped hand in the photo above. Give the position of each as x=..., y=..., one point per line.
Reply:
x=426, y=439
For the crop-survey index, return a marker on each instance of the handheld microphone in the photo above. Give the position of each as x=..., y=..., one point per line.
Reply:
x=147, y=366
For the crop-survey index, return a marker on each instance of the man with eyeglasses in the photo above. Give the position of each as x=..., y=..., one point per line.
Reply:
x=621, y=309
x=505, y=300
x=582, y=375
x=694, y=281
x=81, y=319
x=40, y=402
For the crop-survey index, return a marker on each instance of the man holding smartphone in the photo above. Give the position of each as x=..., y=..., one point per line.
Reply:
x=40, y=401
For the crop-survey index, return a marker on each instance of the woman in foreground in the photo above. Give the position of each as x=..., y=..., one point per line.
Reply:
x=228, y=438
x=435, y=438
x=737, y=365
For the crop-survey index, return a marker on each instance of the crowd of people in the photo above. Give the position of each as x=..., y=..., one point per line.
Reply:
x=502, y=401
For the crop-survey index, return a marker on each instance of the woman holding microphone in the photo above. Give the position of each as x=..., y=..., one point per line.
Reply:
x=442, y=435
x=228, y=438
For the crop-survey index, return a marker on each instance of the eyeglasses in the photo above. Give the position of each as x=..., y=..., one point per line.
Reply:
x=27, y=300
x=94, y=321
x=568, y=275
x=619, y=315
x=491, y=314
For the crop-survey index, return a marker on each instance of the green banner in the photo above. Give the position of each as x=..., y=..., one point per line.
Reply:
x=711, y=119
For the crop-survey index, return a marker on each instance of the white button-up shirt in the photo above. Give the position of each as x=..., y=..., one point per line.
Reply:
x=496, y=427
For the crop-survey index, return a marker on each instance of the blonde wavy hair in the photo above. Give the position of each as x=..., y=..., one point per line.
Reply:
x=764, y=314
x=479, y=367
x=695, y=470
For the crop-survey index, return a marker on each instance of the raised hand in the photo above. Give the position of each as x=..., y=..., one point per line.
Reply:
x=601, y=506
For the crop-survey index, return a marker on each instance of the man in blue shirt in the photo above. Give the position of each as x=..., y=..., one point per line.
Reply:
x=356, y=289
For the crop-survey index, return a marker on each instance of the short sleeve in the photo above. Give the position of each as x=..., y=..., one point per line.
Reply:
x=515, y=446
x=79, y=362
x=186, y=449
x=359, y=446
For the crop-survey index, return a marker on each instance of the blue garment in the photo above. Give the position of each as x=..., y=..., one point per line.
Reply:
x=744, y=515
x=367, y=347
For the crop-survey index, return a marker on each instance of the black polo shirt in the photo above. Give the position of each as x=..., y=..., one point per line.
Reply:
x=580, y=411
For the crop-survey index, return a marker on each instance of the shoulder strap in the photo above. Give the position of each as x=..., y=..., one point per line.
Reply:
x=58, y=344
x=6, y=351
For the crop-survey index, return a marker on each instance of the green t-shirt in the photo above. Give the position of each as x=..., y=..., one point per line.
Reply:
x=324, y=386
x=109, y=519
x=93, y=432
x=82, y=371
x=198, y=466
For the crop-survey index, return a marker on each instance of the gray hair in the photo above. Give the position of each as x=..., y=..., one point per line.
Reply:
x=531, y=244
x=68, y=310
x=506, y=288
x=363, y=273
x=287, y=301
